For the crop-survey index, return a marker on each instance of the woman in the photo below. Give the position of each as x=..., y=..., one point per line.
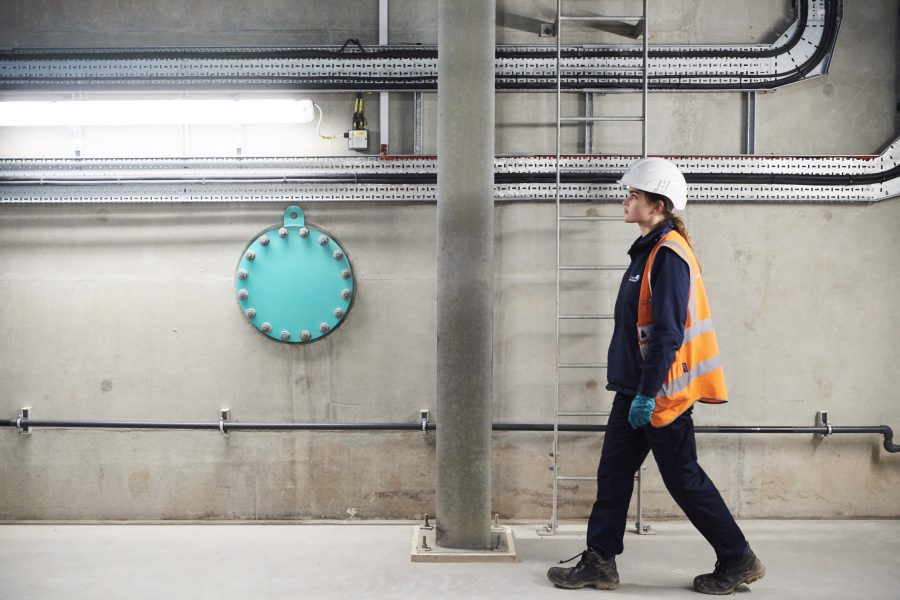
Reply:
x=663, y=357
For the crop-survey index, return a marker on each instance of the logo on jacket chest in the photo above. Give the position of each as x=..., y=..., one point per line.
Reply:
x=635, y=278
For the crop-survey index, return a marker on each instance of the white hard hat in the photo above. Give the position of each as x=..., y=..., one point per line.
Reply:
x=658, y=176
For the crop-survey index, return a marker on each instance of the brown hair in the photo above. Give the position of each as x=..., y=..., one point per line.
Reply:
x=667, y=214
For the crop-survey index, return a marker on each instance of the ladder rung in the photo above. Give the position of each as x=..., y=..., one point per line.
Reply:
x=601, y=19
x=581, y=365
x=593, y=267
x=577, y=218
x=594, y=119
x=580, y=317
x=583, y=414
x=577, y=477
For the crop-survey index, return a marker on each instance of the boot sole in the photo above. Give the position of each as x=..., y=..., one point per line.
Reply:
x=600, y=585
x=747, y=580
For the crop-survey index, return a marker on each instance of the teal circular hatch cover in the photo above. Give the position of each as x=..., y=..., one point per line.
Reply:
x=294, y=282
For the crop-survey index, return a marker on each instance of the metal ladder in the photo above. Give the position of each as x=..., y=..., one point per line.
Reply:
x=588, y=120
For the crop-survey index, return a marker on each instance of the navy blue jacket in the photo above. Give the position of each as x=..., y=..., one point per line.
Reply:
x=670, y=279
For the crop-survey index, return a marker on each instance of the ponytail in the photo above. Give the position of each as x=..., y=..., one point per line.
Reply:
x=679, y=226
x=677, y=221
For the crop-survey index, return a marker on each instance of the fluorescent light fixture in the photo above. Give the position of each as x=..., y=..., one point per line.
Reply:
x=154, y=112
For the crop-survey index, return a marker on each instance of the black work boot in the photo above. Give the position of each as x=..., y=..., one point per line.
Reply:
x=590, y=570
x=727, y=577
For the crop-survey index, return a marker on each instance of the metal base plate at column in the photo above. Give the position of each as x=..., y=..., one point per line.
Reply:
x=645, y=530
x=425, y=548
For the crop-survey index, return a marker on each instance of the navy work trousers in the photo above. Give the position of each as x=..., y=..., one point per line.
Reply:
x=675, y=451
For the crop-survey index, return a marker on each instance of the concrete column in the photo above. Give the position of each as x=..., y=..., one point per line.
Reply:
x=465, y=231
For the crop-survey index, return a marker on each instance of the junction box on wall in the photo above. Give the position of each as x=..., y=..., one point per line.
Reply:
x=358, y=139
x=358, y=136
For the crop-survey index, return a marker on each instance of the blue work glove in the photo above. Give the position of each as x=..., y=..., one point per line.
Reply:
x=641, y=411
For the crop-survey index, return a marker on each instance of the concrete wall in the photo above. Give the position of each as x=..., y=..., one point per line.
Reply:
x=127, y=312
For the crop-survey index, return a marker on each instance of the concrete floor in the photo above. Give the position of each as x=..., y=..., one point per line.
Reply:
x=805, y=559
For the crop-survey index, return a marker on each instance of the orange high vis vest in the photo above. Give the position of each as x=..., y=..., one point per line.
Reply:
x=696, y=373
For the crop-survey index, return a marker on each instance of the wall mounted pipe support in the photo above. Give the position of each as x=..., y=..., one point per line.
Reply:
x=424, y=416
x=22, y=421
x=223, y=419
x=822, y=421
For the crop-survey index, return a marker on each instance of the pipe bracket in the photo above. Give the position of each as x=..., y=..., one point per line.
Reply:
x=822, y=421
x=21, y=422
x=423, y=413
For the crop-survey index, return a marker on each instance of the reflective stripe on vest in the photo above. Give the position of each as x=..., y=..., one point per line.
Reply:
x=696, y=372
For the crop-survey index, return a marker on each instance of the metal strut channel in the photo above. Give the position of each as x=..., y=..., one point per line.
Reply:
x=844, y=179
x=803, y=51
